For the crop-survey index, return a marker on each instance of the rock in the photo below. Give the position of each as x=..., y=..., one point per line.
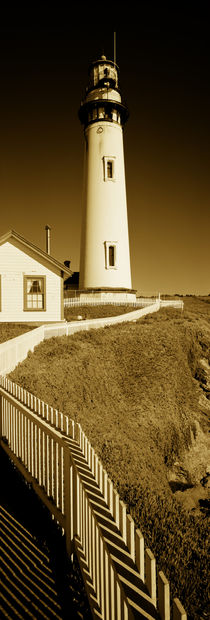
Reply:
x=178, y=477
x=205, y=481
x=193, y=498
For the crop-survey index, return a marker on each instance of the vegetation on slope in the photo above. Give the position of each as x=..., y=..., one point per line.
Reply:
x=11, y=330
x=95, y=312
x=133, y=389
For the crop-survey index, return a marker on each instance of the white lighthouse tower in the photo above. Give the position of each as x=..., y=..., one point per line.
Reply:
x=105, y=258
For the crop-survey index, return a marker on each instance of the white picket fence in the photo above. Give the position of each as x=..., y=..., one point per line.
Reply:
x=55, y=456
x=14, y=351
x=140, y=302
x=92, y=301
x=173, y=303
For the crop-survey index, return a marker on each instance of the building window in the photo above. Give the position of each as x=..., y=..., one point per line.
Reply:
x=34, y=293
x=109, y=168
x=111, y=254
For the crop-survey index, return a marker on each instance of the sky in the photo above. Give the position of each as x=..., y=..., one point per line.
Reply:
x=162, y=55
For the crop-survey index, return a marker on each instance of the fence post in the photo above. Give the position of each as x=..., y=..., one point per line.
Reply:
x=163, y=596
x=151, y=575
x=178, y=611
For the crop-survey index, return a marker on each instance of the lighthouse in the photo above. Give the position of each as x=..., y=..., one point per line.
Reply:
x=104, y=258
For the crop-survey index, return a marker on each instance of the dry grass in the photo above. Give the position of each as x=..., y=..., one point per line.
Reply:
x=11, y=330
x=133, y=389
x=95, y=312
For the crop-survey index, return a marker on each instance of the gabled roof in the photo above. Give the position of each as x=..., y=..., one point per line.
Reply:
x=13, y=235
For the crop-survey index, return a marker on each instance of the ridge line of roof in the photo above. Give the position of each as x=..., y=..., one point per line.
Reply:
x=51, y=259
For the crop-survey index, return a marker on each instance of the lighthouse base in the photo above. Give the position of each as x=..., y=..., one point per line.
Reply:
x=107, y=295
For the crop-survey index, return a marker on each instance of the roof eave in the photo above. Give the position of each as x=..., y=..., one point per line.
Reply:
x=41, y=253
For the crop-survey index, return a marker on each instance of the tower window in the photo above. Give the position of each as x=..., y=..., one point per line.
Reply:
x=109, y=168
x=111, y=255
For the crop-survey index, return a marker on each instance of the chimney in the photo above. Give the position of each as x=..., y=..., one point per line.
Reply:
x=67, y=263
x=48, y=230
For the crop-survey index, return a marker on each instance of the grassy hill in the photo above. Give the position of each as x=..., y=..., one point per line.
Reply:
x=11, y=330
x=139, y=392
x=95, y=312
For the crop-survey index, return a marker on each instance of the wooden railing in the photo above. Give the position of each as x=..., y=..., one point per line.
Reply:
x=55, y=456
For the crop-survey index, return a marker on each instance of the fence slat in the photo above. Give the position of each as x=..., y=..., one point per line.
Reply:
x=150, y=576
x=123, y=521
x=107, y=583
x=42, y=457
x=28, y=439
x=75, y=501
x=1, y=416
x=45, y=463
x=39, y=450
x=131, y=536
x=100, y=475
x=178, y=610
x=116, y=501
x=110, y=489
x=67, y=495
x=60, y=478
x=98, y=578
x=139, y=547
x=19, y=435
x=13, y=430
x=163, y=596
x=14, y=425
x=102, y=576
x=55, y=476
x=8, y=415
x=22, y=437
x=94, y=557
x=34, y=448
x=49, y=467
x=105, y=486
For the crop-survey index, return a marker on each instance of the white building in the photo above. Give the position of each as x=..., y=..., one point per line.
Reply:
x=104, y=258
x=31, y=282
